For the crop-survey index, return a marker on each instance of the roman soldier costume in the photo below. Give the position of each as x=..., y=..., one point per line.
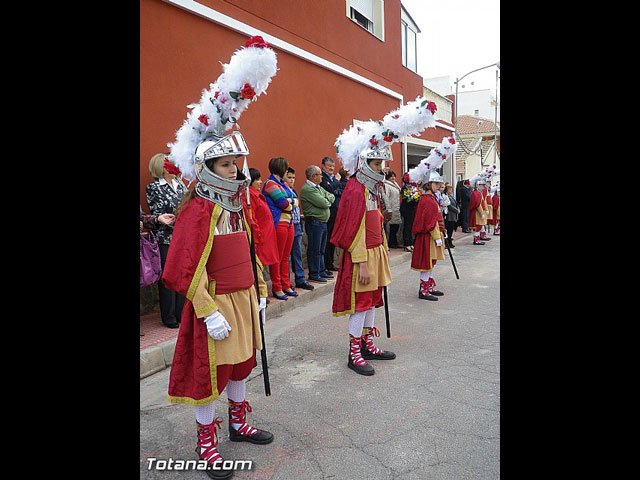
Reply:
x=358, y=228
x=477, y=208
x=209, y=260
x=428, y=225
x=487, y=173
x=496, y=207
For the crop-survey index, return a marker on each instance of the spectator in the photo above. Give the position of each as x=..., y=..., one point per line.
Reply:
x=163, y=196
x=331, y=183
x=264, y=233
x=451, y=219
x=392, y=204
x=409, y=196
x=316, y=205
x=281, y=203
x=465, y=196
x=296, y=249
x=152, y=222
x=344, y=177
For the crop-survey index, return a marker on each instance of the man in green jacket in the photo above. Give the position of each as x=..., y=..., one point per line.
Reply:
x=316, y=202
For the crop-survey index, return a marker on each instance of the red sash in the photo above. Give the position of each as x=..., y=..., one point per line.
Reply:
x=229, y=263
x=373, y=225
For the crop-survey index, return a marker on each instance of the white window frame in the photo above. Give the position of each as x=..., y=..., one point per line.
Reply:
x=377, y=20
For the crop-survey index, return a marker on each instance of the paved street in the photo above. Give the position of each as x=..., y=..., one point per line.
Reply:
x=432, y=413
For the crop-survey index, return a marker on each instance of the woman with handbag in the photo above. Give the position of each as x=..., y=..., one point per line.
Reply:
x=150, y=265
x=163, y=196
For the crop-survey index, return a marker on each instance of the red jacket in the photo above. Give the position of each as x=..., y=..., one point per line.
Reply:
x=263, y=229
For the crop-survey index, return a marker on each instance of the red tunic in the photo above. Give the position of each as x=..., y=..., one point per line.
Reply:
x=263, y=230
x=474, y=202
x=496, y=206
x=428, y=214
x=191, y=371
x=351, y=211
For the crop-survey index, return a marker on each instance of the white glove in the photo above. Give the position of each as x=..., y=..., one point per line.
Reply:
x=482, y=216
x=217, y=326
x=263, y=304
x=487, y=212
x=262, y=310
x=438, y=242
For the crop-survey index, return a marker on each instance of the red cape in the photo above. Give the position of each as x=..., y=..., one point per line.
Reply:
x=263, y=229
x=474, y=203
x=351, y=211
x=428, y=213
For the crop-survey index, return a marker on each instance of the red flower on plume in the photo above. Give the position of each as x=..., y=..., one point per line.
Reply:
x=215, y=95
x=431, y=106
x=257, y=41
x=388, y=139
x=452, y=141
x=373, y=141
x=396, y=116
x=204, y=119
x=247, y=92
x=171, y=168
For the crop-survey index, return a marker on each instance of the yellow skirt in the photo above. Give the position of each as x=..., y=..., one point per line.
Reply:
x=379, y=272
x=240, y=309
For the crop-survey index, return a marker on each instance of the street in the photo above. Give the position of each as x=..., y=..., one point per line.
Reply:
x=432, y=413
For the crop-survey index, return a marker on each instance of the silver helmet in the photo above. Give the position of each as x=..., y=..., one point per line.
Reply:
x=365, y=174
x=434, y=176
x=222, y=191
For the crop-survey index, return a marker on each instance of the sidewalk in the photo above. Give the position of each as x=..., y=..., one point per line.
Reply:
x=158, y=342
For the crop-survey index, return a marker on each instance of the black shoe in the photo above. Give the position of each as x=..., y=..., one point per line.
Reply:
x=433, y=298
x=362, y=370
x=172, y=325
x=485, y=239
x=437, y=293
x=261, y=437
x=305, y=286
x=332, y=268
x=479, y=242
x=384, y=355
x=318, y=279
x=326, y=275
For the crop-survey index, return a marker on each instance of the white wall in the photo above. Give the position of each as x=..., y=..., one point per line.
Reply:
x=478, y=100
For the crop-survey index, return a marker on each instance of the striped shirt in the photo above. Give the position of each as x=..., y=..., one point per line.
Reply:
x=280, y=199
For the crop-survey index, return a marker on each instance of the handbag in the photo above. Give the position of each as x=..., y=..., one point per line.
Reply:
x=150, y=265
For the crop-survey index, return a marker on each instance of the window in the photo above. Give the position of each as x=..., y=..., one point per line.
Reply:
x=476, y=113
x=408, y=47
x=369, y=14
x=361, y=20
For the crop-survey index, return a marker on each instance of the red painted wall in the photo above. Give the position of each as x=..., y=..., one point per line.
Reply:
x=306, y=107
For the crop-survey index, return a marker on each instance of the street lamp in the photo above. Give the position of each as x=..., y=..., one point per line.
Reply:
x=455, y=120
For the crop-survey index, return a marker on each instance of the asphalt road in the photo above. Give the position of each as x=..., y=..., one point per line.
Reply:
x=432, y=413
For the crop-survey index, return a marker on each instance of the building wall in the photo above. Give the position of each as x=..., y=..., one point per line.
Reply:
x=478, y=100
x=306, y=106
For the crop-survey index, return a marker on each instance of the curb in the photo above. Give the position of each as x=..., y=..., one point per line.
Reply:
x=159, y=357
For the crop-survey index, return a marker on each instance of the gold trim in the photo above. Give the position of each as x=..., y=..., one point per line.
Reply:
x=191, y=401
x=205, y=253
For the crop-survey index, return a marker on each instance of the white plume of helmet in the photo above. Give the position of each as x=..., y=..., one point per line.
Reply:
x=203, y=134
x=477, y=179
x=373, y=139
x=425, y=171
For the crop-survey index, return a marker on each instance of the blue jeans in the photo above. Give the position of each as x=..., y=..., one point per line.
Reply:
x=316, y=244
x=296, y=255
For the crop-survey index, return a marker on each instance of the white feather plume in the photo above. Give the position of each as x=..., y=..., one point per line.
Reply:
x=220, y=106
x=436, y=158
x=410, y=119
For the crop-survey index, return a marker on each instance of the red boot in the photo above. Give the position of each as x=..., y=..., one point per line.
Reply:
x=245, y=433
x=369, y=351
x=432, y=288
x=207, y=436
x=477, y=241
x=483, y=236
x=355, y=361
x=423, y=293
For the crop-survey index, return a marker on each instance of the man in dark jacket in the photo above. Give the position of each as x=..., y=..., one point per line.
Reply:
x=465, y=193
x=332, y=185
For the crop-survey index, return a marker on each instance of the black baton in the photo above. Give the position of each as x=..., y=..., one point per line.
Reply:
x=263, y=352
x=386, y=310
x=451, y=257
